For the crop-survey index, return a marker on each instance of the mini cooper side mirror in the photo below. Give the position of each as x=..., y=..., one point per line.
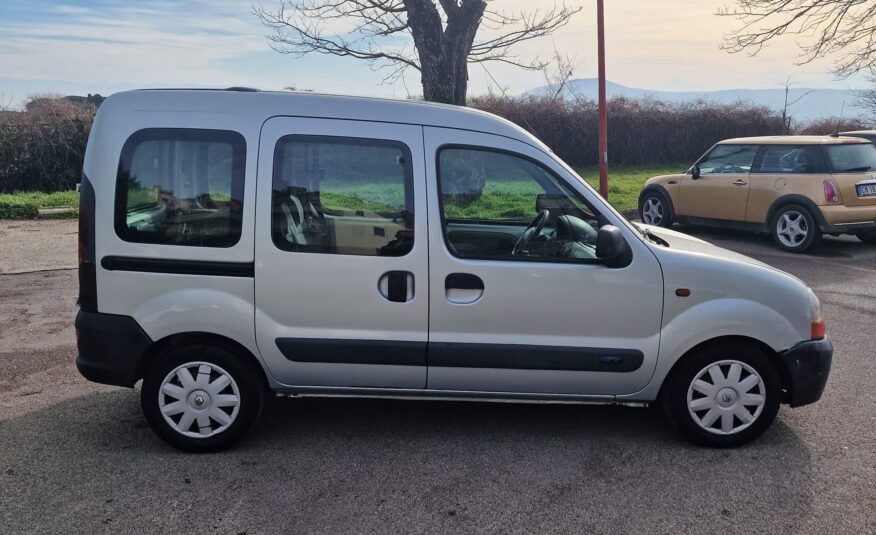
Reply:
x=695, y=171
x=611, y=246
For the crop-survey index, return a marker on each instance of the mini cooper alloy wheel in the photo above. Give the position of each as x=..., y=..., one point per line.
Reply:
x=652, y=211
x=792, y=228
x=726, y=397
x=199, y=399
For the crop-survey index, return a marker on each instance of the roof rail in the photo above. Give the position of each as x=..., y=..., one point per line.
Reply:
x=242, y=89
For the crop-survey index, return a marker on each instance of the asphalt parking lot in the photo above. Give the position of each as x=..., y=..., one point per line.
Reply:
x=78, y=458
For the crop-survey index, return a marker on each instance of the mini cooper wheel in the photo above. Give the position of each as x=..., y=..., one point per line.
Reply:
x=794, y=229
x=654, y=209
x=201, y=398
x=725, y=395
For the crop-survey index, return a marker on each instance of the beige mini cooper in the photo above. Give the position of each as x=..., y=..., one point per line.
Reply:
x=796, y=188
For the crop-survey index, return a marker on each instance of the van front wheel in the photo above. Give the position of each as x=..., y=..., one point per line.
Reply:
x=201, y=398
x=724, y=395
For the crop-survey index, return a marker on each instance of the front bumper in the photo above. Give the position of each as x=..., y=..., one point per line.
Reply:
x=110, y=348
x=806, y=367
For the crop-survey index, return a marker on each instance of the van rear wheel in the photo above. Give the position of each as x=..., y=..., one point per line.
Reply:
x=725, y=395
x=794, y=229
x=201, y=398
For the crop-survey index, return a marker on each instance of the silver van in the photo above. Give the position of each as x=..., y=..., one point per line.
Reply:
x=235, y=243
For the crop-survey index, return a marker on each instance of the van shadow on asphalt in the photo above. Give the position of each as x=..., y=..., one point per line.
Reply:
x=383, y=465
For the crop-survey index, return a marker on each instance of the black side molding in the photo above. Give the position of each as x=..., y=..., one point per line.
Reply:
x=180, y=267
x=457, y=355
x=530, y=357
x=327, y=351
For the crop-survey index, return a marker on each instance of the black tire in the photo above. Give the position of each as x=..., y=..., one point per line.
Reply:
x=674, y=395
x=245, y=375
x=867, y=237
x=799, y=215
x=665, y=209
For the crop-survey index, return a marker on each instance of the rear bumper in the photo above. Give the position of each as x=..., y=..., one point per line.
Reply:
x=839, y=219
x=110, y=348
x=806, y=368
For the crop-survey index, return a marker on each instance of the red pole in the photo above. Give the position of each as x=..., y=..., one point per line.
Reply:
x=603, y=114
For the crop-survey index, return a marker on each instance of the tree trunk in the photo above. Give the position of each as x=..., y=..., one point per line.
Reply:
x=444, y=51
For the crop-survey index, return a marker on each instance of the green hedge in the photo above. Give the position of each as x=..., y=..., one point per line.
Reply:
x=26, y=204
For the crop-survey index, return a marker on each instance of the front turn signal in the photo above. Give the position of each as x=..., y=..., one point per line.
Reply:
x=817, y=330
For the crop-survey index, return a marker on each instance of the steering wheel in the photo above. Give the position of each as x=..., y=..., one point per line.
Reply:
x=537, y=225
x=727, y=168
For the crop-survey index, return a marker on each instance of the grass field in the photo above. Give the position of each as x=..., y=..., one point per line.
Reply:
x=25, y=204
x=625, y=181
x=500, y=200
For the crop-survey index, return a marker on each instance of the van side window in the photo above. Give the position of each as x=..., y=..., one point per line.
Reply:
x=501, y=206
x=179, y=186
x=342, y=196
x=790, y=159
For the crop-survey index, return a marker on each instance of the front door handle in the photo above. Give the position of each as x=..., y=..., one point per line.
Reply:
x=463, y=288
x=396, y=286
x=739, y=182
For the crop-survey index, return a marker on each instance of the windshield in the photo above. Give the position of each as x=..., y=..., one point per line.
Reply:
x=851, y=158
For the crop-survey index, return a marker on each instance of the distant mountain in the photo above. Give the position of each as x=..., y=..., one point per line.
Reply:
x=817, y=104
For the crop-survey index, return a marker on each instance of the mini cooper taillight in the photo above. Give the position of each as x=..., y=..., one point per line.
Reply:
x=830, y=192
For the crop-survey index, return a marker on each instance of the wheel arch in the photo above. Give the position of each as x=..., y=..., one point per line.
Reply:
x=794, y=198
x=773, y=356
x=659, y=188
x=200, y=338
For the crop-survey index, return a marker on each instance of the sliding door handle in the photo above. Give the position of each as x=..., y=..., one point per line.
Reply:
x=396, y=286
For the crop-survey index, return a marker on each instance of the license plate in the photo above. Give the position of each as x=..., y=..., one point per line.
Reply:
x=866, y=190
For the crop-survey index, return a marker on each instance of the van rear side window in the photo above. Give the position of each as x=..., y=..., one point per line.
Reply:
x=180, y=186
x=341, y=195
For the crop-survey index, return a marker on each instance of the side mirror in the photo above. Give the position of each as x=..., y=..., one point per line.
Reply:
x=611, y=246
x=695, y=171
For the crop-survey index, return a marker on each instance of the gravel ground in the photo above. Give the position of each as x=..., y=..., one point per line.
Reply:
x=78, y=458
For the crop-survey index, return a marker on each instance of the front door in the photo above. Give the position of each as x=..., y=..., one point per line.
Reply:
x=341, y=253
x=721, y=191
x=518, y=300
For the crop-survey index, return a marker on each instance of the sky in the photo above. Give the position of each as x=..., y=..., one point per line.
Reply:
x=104, y=46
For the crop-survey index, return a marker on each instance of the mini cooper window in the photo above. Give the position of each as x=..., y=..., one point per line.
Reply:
x=851, y=157
x=342, y=196
x=728, y=159
x=181, y=187
x=500, y=206
x=790, y=159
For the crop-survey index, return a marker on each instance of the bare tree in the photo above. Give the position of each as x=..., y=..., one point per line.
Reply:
x=438, y=38
x=786, y=119
x=826, y=27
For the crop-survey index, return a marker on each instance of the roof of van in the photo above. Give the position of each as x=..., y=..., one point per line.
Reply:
x=265, y=104
x=794, y=140
x=858, y=132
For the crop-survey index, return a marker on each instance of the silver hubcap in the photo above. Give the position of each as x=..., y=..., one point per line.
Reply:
x=199, y=399
x=726, y=397
x=652, y=211
x=792, y=228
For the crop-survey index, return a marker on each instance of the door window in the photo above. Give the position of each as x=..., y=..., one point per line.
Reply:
x=497, y=205
x=180, y=186
x=790, y=159
x=728, y=159
x=342, y=196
